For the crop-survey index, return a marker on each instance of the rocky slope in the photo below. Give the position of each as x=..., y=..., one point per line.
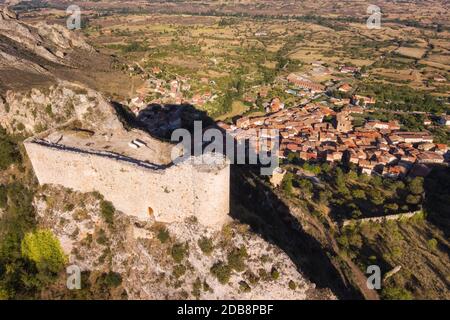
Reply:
x=37, y=110
x=50, y=42
x=38, y=55
x=31, y=53
x=148, y=263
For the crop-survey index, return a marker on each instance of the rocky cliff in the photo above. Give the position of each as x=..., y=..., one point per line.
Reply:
x=28, y=54
x=170, y=262
x=37, y=110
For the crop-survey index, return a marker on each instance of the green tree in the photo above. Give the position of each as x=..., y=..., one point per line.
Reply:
x=432, y=244
x=416, y=186
x=43, y=248
x=396, y=294
x=413, y=199
x=359, y=194
x=9, y=152
x=286, y=184
x=376, y=197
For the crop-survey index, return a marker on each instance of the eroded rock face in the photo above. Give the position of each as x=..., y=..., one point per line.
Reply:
x=40, y=109
x=50, y=42
x=146, y=265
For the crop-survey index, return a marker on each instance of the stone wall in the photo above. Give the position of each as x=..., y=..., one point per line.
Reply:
x=382, y=218
x=170, y=193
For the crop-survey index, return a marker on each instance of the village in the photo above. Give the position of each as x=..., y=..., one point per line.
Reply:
x=315, y=132
x=317, y=124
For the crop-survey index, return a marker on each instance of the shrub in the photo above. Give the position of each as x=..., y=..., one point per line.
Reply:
x=107, y=211
x=49, y=110
x=9, y=152
x=163, y=235
x=359, y=194
x=43, y=248
x=416, y=186
x=286, y=184
x=413, y=199
x=244, y=287
x=179, y=270
x=236, y=259
x=110, y=279
x=251, y=277
x=206, y=245
x=292, y=285
x=221, y=271
x=432, y=244
x=20, y=126
x=274, y=274
x=396, y=294
x=179, y=251
x=196, y=288
x=3, y=197
x=69, y=207
x=101, y=237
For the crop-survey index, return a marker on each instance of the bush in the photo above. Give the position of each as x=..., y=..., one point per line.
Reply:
x=196, y=288
x=221, y=271
x=292, y=285
x=396, y=294
x=102, y=239
x=43, y=248
x=179, y=251
x=274, y=274
x=286, y=184
x=236, y=259
x=206, y=245
x=416, y=186
x=69, y=207
x=9, y=152
x=110, y=279
x=3, y=197
x=179, y=270
x=413, y=199
x=432, y=244
x=49, y=110
x=163, y=235
x=107, y=211
x=244, y=287
x=359, y=194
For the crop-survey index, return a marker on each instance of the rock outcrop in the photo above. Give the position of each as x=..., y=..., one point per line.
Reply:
x=51, y=42
x=40, y=109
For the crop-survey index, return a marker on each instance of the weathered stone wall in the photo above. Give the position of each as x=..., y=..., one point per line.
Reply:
x=170, y=194
x=382, y=218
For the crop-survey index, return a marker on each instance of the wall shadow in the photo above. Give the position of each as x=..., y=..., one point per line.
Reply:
x=437, y=198
x=269, y=217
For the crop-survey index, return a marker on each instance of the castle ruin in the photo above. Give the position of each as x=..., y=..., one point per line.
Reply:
x=134, y=171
